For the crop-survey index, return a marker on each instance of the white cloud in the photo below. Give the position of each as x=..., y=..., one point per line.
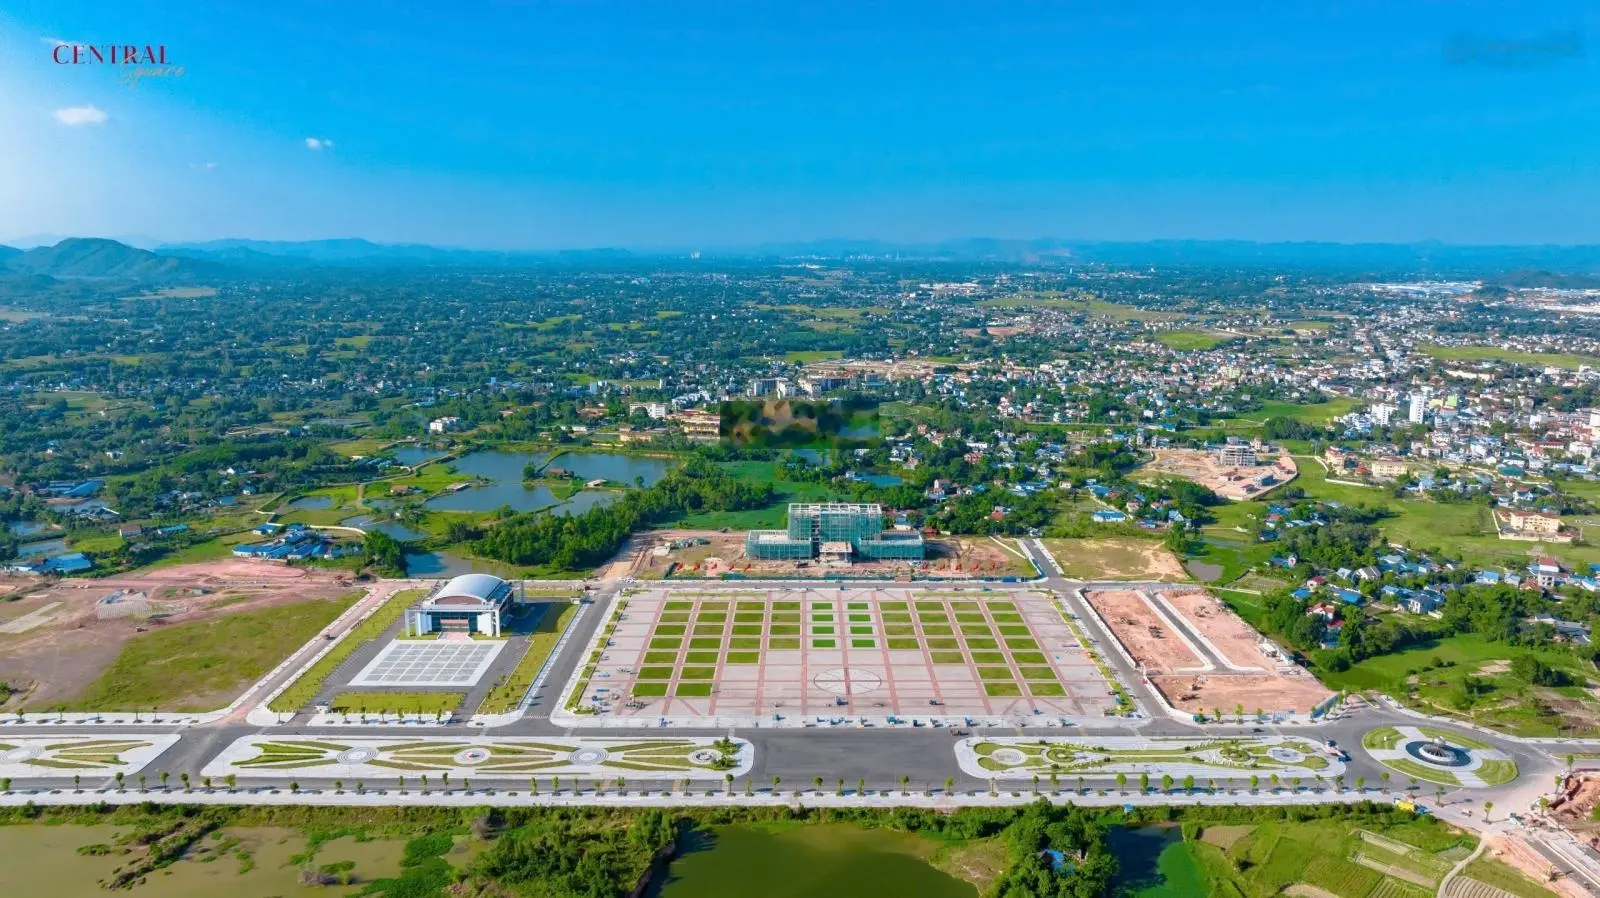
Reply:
x=205, y=165
x=318, y=143
x=81, y=115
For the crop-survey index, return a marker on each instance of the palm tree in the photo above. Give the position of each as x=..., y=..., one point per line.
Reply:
x=1385, y=777
x=361, y=787
x=1036, y=784
x=1439, y=794
x=1081, y=786
x=338, y=787
x=816, y=784
x=775, y=781
x=727, y=783
x=424, y=782
x=555, y=785
x=75, y=780
x=903, y=781
x=1361, y=784
x=1255, y=782
x=599, y=787
x=949, y=784
x=533, y=785
x=992, y=789
x=141, y=782
x=185, y=778
x=119, y=780
x=1487, y=807
x=1238, y=711
x=401, y=784
x=163, y=777
x=1144, y=783
x=841, y=786
x=205, y=782
x=445, y=779
x=294, y=787
x=861, y=786
x=1275, y=782
x=232, y=781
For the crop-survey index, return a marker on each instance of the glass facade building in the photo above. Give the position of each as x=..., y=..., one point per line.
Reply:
x=813, y=525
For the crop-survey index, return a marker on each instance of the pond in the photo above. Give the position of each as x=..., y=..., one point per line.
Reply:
x=504, y=470
x=40, y=860
x=28, y=528
x=46, y=548
x=818, y=457
x=835, y=860
x=308, y=503
x=879, y=480
x=411, y=456
x=860, y=430
x=1154, y=862
x=384, y=525
x=443, y=565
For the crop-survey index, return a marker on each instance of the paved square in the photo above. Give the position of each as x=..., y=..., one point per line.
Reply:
x=416, y=662
x=827, y=653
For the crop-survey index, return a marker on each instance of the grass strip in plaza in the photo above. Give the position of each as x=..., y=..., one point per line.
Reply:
x=507, y=694
x=355, y=701
x=305, y=687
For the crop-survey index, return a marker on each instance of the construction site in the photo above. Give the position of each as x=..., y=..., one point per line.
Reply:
x=689, y=554
x=1231, y=475
x=1201, y=657
x=57, y=636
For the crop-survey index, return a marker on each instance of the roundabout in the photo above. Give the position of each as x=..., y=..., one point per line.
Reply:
x=1439, y=756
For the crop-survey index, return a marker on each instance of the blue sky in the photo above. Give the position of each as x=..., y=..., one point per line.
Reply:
x=656, y=122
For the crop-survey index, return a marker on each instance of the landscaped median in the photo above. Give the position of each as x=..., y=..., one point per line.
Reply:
x=305, y=687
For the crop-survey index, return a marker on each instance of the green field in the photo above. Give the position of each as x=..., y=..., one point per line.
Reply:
x=1511, y=705
x=813, y=355
x=1566, y=360
x=774, y=516
x=1190, y=341
x=202, y=665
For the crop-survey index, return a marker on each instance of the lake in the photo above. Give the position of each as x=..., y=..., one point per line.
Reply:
x=1154, y=862
x=28, y=528
x=411, y=456
x=443, y=565
x=47, y=548
x=384, y=525
x=308, y=503
x=833, y=860
x=504, y=470
x=879, y=480
x=44, y=860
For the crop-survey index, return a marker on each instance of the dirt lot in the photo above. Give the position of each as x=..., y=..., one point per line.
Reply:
x=1238, y=642
x=1146, y=637
x=65, y=644
x=1201, y=467
x=1116, y=559
x=724, y=553
x=1254, y=692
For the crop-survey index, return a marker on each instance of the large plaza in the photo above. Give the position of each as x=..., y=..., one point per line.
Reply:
x=831, y=654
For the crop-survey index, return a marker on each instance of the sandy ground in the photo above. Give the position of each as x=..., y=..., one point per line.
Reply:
x=955, y=557
x=1131, y=621
x=1254, y=692
x=57, y=657
x=1201, y=467
x=1518, y=854
x=1116, y=559
x=1238, y=641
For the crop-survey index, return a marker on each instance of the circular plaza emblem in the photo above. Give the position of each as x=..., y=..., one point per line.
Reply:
x=468, y=757
x=1010, y=757
x=587, y=757
x=847, y=681
x=355, y=756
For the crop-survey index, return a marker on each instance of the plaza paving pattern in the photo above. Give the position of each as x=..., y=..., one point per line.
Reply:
x=54, y=756
x=1476, y=764
x=829, y=652
x=442, y=662
x=1205, y=758
x=483, y=758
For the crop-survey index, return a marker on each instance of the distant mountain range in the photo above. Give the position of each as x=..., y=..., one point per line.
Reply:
x=86, y=258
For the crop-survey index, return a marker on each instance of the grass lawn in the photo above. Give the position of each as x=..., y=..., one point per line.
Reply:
x=1566, y=360
x=506, y=695
x=1189, y=341
x=813, y=355
x=774, y=516
x=305, y=688
x=352, y=701
x=1511, y=705
x=202, y=665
